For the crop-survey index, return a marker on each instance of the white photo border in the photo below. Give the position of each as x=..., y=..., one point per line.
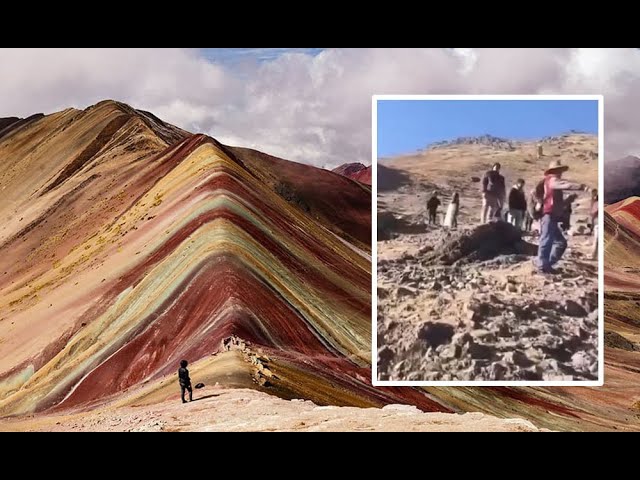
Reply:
x=374, y=245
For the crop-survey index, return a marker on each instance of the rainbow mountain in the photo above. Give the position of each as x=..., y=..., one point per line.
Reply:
x=129, y=244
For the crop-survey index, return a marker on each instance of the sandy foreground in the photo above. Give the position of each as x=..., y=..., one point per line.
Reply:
x=241, y=410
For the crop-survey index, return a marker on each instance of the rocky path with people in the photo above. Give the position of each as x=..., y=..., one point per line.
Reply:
x=469, y=305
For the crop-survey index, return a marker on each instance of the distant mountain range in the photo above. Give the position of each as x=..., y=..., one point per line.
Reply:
x=622, y=179
x=501, y=143
x=488, y=140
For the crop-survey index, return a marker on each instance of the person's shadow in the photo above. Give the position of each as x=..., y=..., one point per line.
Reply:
x=213, y=395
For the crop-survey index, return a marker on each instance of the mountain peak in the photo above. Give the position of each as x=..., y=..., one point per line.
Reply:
x=355, y=171
x=110, y=103
x=622, y=179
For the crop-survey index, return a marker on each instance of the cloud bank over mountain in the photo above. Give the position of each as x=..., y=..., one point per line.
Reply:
x=308, y=105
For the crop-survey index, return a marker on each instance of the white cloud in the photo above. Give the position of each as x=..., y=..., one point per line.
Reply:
x=313, y=109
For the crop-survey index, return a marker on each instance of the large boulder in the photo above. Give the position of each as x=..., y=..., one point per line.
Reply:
x=482, y=243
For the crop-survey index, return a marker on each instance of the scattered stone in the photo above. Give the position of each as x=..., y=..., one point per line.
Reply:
x=531, y=333
x=529, y=375
x=451, y=351
x=557, y=378
x=504, y=331
x=436, y=334
x=497, y=371
x=506, y=323
x=581, y=361
x=406, y=277
x=574, y=309
x=461, y=339
x=479, y=352
x=550, y=364
x=383, y=293
x=406, y=292
x=477, y=312
x=517, y=358
x=484, y=335
x=578, y=230
x=385, y=355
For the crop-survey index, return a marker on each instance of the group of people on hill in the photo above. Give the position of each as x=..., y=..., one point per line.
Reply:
x=546, y=204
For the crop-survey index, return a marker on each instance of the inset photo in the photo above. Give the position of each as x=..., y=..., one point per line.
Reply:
x=487, y=240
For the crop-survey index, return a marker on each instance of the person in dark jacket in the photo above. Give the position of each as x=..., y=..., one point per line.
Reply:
x=552, y=241
x=493, y=194
x=517, y=204
x=185, y=381
x=432, y=208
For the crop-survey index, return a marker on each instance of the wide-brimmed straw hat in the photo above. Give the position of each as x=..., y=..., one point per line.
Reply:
x=556, y=166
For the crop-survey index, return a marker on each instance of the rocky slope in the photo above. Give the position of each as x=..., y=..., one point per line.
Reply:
x=469, y=306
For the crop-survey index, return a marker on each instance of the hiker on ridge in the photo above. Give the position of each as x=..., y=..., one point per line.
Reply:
x=493, y=194
x=451, y=219
x=517, y=204
x=552, y=208
x=185, y=381
x=432, y=208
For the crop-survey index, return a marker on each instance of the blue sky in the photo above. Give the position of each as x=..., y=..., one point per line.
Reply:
x=232, y=55
x=405, y=126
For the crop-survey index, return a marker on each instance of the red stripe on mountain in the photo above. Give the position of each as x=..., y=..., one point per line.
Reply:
x=222, y=295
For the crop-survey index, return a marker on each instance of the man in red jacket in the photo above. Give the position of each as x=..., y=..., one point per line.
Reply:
x=552, y=242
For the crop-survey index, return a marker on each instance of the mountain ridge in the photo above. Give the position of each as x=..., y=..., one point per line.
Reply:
x=146, y=252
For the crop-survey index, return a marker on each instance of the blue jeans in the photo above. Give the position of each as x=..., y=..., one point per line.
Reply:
x=552, y=243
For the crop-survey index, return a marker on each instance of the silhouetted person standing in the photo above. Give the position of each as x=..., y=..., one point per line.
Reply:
x=517, y=204
x=432, y=208
x=493, y=194
x=185, y=381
